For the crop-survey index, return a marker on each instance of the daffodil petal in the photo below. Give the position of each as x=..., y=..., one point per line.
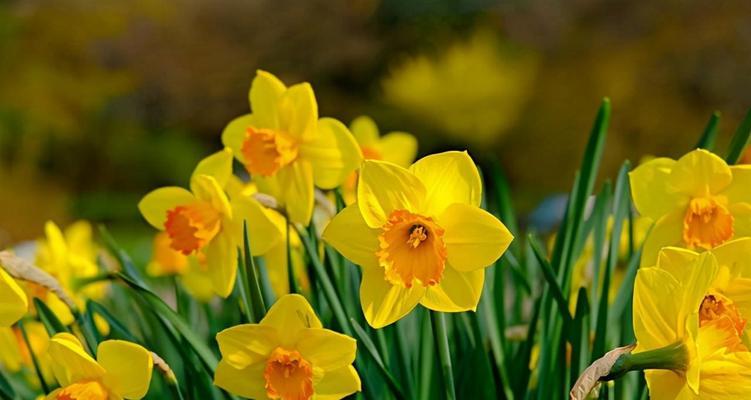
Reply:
x=700, y=173
x=667, y=385
x=129, y=367
x=327, y=349
x=449, y=177
x=365, y=131
x=474, y=238
x=338, y=384
x=651, y=190
x=247, y=382
x=739, y=191
x=217, y=165
x=352, y=237
x=675, y=261
x=263, y=233
x=221, y=262
x=70, y=362
x=741, y=219
x=155, y=204
x=736, y=256
x=247, y=344
x=298, y=112
x=333, y=153
x=399, y=148
x=290, y=315
x=265, y=93
x=667, y=231
x=296, y=182
x=384, y=187
x=207, y=189
x=657, y=297
x=13, y=301
x=233, y=135
x=457, y=291
x=384, y=303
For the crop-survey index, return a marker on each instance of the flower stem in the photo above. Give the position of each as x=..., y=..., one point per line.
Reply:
x=34, y=359
x=440, y=335
x=673, y=357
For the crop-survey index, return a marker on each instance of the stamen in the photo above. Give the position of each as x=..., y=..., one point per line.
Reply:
x=417, y=235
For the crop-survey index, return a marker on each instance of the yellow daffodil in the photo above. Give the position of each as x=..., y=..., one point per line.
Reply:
x=287, y=149
x=122, y=370
x=16, y=354
x=693, y=308
x=419, y=236
x=13, y=301
x=697, y=202
x=289, y=355
x=205, y=223
x=191, y=269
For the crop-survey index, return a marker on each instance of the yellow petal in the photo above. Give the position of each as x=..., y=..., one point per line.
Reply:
x=384, y=303
x=352, y=237
x=298, y=112
x=736, y=256
x=266, y=91
x=247, y=382
x=449, y=177
x=365, y=131
x=217, y=165
x=474, y=238
x=739, y=191
x=290, y=315
x=667, y=231
x=327, y=349
x=651, y=190
x=657, y=303
x=234, y=134
x=457, y=291
x=333, y=153
x=384, y=187
x=198, y=282
x=243, y=345
x=206, y=188
x=399, y=148
x=155, y=204
x=296, y=183
x=700, y=173
x=10, y=358
x=263, y=233
x=221, y=262
x=70, y=362
x=667, y=385
x=677, y=261
x=129, y=367
x=13, y=301
x=741, y=219
x=338, y=384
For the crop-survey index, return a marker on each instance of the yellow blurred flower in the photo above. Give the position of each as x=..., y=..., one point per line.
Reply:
x=16, y=355
x=289, y=355
x=191, y=269
x=697, y=202
x=697, y=305
x=287, y=149
x=13, y=301
x=122, y=370
x=205, y=221
x=419, y=236
x=472, y=91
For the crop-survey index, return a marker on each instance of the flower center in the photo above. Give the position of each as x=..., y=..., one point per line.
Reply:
x=707, y=223
x=92, y=390
x=370, y=153
x=288, y=376
x=266, y=151
x=412, y=248
x=720, y=311
x=190, y=227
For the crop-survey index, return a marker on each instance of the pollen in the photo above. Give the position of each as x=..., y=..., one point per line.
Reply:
x=92, y=390
x=719, y=310
x=412, y=249
x=288, y=376
x=191, y=226
x=266, y=151
x=707, y=223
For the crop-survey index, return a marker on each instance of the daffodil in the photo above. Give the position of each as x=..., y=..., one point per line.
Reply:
x=122, y=370
x=289, y=355
x=691, y=309
x=697, y=202
x=287, y=149
x=191, y=269
x=17, y=355
x=13, y=301
x=419, y=236
x=204, y=222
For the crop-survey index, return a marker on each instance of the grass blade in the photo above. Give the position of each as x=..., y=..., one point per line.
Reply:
x=372, y=351
x=708, y=137
x=547, y=271
x=438, y=320
x=740, y=140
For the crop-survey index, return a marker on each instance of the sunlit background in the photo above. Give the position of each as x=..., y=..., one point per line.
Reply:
x=102, y=101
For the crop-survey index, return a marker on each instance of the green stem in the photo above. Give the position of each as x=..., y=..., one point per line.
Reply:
x=34, y=359
x=251, y=284
x=293, y=288
x=673, y=357
x=440, y=335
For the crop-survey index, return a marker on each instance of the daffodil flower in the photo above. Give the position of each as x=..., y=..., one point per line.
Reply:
x=16, y=355
x=289, y=355
x=419, y=236
x=191, y=269
x=287, y=149
x=204, y=222
x=697, y=202
x=122, y=370
x=13, y=301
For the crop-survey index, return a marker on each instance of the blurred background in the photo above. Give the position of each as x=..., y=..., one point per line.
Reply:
x=102, y=101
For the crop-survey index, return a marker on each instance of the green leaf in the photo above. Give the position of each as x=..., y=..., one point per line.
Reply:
x=372, y=351
x=438, y=320
x=117, y=328
x=580, y=336
x=547, y=271
x=251, y=288
x=740, y=140
x=708, y=137
x=6, y=390
x=50, y=321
